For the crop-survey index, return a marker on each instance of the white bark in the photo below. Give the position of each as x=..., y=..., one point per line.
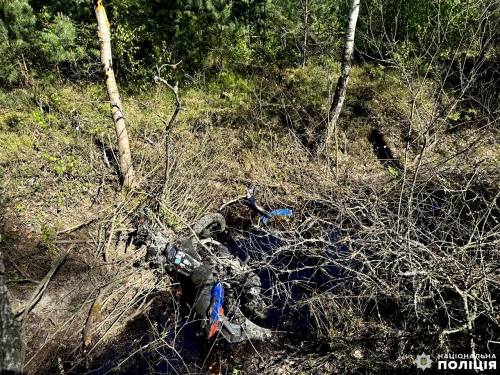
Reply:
x=11, y=344
x=340, y=91
x=124, y=155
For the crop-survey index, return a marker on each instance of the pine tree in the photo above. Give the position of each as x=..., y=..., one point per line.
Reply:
x=17, y=25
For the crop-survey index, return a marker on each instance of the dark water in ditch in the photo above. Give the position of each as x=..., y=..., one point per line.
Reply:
x=167, y=342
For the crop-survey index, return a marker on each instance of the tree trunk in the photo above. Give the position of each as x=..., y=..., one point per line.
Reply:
x=11, y=344
x=338, y=98
x=306, y=26
x=124, y=155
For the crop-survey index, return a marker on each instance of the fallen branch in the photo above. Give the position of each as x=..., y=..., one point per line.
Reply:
x=232, y=202
x=37, y=294
x=106, y=248
x=85, y=223
x=23, y=281
x=94, y=314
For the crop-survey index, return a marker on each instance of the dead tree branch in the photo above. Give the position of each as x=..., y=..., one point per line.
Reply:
x=168, y=127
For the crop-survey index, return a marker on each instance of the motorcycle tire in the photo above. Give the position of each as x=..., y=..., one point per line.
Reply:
x=209, y=225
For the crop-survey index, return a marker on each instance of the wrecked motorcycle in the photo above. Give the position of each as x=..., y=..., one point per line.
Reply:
x=225, y=285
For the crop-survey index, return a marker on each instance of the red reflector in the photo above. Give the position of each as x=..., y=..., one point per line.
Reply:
x=213, y=329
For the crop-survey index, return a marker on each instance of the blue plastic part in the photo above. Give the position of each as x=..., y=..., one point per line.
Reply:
x=217, y=298
x=256, y=206
x=281, y=214
x=252, y=202
x=171, y=253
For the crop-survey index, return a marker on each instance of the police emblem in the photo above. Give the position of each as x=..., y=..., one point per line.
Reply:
x=423, y=361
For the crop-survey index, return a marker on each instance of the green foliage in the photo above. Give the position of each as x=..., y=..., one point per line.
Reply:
x=393, y=172
x=454, y=116
x=48, y=240
x=170, y=219
x=307, y=85
x=31, y=43
x=232, y=87
x=57, y=38
x=12, y=122
x=61, y=165
x=425, y=29
x=13, y=145
x=39, y=119
x=78, y=10
x=15, y=100
x=17, y=23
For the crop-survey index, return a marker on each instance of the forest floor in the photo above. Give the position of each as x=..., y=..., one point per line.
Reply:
x=60, y=195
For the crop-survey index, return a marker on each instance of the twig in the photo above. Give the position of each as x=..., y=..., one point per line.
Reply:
x=106, y=248
x=18, y=269
x=239, y=198
x=144, y=306
x=173, y=66
x=22, y=281
x=37, y=294
x=130, y=356
x=160, y=223
x=85, y=223
x=175, y=91
x=76, y=241
x=112, y=324
x=190, y=229
x=57, y=332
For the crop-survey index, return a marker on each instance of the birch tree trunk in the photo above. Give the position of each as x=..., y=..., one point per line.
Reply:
x=124, y=155
x=11, y=344
x=338, y=98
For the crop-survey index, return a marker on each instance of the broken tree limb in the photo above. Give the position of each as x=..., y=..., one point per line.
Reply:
x=37, y=294
x=238, y=199
x=94, y=313
x=168, y=127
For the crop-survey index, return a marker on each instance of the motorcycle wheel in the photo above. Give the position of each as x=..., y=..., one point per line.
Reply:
x=209, y=225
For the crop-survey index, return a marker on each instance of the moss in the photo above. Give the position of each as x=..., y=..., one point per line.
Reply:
x=13, y=122
x=14, y=147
